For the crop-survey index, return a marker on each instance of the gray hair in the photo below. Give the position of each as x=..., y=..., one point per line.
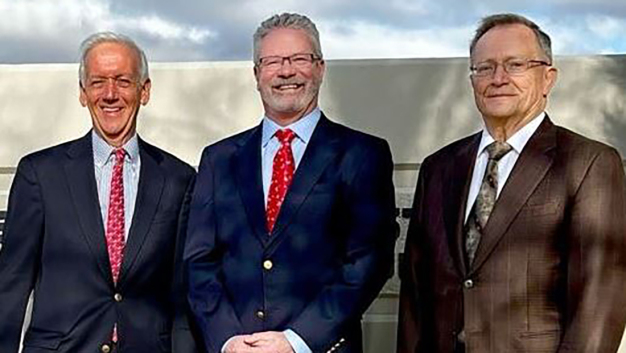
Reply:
x=110, y=37
x=287, y=20
x=489, y=22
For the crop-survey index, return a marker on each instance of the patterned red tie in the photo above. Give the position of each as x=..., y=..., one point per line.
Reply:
x=282, y=175
x=115, y=218
x=115, y=221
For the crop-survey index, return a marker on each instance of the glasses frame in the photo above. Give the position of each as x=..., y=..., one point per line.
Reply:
x=292, y=59
x=528, y=64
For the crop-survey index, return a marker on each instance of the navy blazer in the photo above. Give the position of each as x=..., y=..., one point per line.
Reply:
x=55, y=244
x=327, y=258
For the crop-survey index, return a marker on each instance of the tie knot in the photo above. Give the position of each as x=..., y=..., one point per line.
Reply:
x=119, y=153
x=285, y=136
x=497, y=150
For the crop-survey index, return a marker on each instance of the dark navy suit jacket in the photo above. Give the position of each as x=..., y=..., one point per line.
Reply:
x=327, y=258
x=55, y=244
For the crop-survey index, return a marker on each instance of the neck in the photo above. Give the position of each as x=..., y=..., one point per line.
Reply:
x=287, y=118
x=502, y=128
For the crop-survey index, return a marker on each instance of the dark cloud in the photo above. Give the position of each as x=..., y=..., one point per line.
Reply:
x=232, y=23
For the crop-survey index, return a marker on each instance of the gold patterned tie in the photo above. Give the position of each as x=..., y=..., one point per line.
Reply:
x=485, y=200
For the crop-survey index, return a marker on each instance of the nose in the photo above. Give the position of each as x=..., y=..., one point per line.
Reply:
x=286, y=68
x=110, y=90
x=500, y=76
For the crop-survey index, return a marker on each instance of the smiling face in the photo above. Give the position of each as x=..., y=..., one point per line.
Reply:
x=511, y=99
x=290, y=91
x=112, y=91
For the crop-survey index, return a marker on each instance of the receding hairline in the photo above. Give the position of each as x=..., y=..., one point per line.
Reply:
x=96, y=39
x=488, y=23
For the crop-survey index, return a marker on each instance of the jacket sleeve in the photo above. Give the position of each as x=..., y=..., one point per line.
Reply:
x=212, y=309
x=596, y=263
x=367, y=261
x=185, y=339
x=20, y=253
x=410, y=320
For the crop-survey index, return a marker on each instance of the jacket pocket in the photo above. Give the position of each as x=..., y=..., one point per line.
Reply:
x=41, y=338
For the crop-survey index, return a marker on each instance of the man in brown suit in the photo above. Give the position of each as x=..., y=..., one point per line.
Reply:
x=517, y=238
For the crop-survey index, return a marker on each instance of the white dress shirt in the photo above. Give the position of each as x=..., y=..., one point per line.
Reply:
x=518, y=140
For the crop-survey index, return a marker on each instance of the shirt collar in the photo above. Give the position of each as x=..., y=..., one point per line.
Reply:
x=303, y=127
x=518, y=140
x=102, y=151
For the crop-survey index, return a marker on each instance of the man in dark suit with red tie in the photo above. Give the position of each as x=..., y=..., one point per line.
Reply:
x=95, y=226
x=292, y=225
x=517, y=238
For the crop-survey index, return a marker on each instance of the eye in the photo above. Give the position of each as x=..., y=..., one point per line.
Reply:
x=484, y=69
x=271, y=61
x=515, y=65
x=301, y=59
x=124, y=82
x=96, y=83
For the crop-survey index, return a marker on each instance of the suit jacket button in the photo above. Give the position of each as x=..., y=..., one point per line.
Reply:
x=267, y=264
x=260, y=315
x=468, y=283
x=117, y=297
x=105, y=348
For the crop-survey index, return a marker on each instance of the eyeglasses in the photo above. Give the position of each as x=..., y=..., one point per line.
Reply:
x=275, y=62
x=514, y=66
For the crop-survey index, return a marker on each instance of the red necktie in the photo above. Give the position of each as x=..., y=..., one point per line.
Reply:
x=282, y=175
x=115, y=221
x=115, y=218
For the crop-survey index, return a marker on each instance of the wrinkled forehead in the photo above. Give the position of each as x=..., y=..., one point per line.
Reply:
x=505, y=42
x=112, y=56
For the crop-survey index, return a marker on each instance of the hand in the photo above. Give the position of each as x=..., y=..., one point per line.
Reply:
x=237, y=344
x=269, y=342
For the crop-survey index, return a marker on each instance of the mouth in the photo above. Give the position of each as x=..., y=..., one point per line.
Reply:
x=499, y=95
x=288, y=87
x=111, y=110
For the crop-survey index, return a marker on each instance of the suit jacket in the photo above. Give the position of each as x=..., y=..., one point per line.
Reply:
x=327, y=258
x=550, y=272
x=55, y=244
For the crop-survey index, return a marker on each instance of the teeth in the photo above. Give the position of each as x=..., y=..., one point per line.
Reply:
x=111, y=110
x=288, y=86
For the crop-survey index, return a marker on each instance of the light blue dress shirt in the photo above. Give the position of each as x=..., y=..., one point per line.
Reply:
x=303, y=128
x=104, y=160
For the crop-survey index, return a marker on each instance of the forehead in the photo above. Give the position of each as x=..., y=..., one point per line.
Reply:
x=111, y=57
x=506, y=41
x=285, y=41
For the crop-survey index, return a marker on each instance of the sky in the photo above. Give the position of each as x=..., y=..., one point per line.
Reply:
x=50, y=31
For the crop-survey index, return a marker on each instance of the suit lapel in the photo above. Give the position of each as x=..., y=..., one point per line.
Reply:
x=79, y=171
x=456, y=185
x=149, y=191
x=320, y=151
x=248, y=174
x=531, y=167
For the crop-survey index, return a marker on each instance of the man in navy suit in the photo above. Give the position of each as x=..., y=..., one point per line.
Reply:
x=95, y=226
x=291, y=227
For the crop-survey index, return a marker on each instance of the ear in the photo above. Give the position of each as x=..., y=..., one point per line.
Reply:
x=322, y=68
x=550, y=76
x=257, y=72
x=82, y=95
x=145, y=92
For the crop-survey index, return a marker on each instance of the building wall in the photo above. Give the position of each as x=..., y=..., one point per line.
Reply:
x=418, y=105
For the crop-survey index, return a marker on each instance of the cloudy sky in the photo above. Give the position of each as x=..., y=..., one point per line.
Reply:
x=36, y=31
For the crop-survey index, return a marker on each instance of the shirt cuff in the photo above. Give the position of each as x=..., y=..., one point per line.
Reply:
x=296, y=342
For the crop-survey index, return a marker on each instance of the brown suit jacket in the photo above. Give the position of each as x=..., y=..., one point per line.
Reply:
x=550, y=271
